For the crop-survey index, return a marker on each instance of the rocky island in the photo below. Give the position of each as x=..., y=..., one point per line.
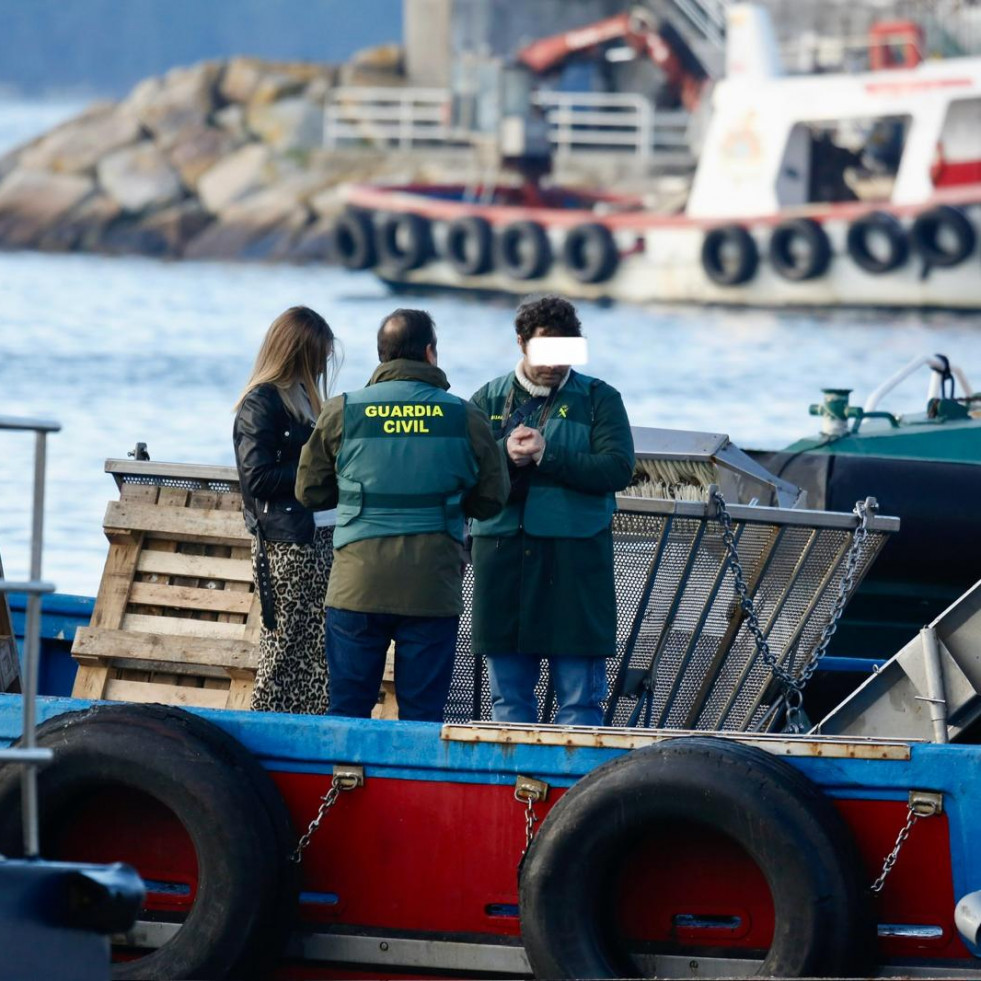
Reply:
x=221, y=160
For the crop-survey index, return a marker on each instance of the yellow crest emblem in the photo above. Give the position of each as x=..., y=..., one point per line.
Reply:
x=563, y=411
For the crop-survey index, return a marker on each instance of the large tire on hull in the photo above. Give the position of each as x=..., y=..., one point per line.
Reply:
x=729, y=255
x=788, y=261
x=470, y=245
x=523, y=251
x=930, y=230
x=590, y=253
x=353, y=240
x=888, y=228
x=404, y=242
x=226, y=804
x=823, y=924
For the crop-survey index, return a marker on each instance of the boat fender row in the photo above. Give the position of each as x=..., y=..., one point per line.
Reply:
x=228, y=806
x=800, y=249
x=521, y=250
x=570, y=877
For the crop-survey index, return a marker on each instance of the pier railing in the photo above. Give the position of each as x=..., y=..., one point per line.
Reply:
x=579, y=122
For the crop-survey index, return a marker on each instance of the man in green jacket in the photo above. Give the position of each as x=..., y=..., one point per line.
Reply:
x=405, y=463
x=543, y=567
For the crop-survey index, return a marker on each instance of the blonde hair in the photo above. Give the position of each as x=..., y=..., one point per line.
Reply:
x=298, y=351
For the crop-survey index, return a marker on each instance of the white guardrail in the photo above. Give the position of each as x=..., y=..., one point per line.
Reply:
x=418, y=118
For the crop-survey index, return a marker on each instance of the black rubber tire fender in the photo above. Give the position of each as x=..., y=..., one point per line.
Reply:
x=353, y=240
x=926, y=232
x=522, y=250
x=823, y=927
x=229, y=807
x=747, y=255
x=469, y=247
x=818, y=255
x=878, y=223
x=404, y=241
x=590, y=253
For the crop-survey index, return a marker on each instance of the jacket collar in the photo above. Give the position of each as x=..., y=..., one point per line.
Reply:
x=402, y=369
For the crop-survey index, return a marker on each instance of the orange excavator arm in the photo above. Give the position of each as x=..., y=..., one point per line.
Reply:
x=642, y=31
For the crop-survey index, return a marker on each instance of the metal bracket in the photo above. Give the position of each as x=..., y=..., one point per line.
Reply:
x=926, y=803
x=528, y=789
x=348, y=776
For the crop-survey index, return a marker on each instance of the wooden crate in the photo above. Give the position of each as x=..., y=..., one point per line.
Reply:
x=9, y=664
x=176, y=618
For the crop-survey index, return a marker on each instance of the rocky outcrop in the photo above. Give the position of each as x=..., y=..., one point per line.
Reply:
x=218, y=160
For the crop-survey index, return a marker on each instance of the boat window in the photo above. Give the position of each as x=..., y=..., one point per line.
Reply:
x=830, y=161
x=958, y=156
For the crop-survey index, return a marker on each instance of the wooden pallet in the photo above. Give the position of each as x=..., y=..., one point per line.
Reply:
x=9, y=663
x=176, y=618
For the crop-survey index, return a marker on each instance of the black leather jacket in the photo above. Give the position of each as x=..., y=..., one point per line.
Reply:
x=268, y=440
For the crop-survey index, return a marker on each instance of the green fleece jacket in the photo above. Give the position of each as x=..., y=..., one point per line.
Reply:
x=414, y=575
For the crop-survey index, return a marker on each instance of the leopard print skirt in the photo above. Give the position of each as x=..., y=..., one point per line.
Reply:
x=292, y=675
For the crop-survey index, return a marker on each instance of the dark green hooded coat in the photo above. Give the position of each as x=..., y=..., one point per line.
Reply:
x=554, y=596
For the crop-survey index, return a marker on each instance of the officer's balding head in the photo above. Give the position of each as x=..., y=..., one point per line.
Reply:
x=409, y=334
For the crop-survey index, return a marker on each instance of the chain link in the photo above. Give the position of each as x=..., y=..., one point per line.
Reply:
x=911, y=818
x=338, y=784
x=531, y=819
x=793, y=686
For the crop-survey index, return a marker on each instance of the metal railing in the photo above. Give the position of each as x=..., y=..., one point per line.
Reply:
x=615, y=122
x=28, y=754
x=417, y=119
x=406, y=118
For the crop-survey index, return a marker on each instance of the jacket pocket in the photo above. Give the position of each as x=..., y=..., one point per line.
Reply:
x=350, y=500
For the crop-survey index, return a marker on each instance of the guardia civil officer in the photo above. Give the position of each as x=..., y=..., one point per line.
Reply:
x=543, y=567
x=405, y=463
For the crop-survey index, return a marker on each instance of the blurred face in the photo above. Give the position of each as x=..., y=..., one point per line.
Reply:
x=547, y=375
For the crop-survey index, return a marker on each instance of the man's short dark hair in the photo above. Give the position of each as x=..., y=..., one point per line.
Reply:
x=406, y=334
x=555, y=313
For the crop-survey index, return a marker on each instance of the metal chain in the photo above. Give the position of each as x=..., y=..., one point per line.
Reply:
x=793, y=686
x=529, y=796
x=911, y=818
x=337, y=785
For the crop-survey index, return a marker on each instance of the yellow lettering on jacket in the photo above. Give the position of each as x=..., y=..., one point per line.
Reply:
x=401, y=427
x=395, y=410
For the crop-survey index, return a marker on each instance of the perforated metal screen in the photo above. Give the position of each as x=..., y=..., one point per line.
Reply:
x=685, y=658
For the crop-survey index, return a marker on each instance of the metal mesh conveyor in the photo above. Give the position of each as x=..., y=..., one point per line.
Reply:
x=685, y=656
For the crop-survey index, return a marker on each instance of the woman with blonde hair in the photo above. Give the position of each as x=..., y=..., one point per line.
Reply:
x=292, y=547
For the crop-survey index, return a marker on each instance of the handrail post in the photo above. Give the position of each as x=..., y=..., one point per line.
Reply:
x=32, y=633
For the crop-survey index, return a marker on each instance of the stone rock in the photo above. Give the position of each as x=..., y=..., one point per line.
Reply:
x=79, y=145
x=289, y=124
x=163, y=234
x=239, y=173
x=142, y=96
x=198, y=151
x=32, y=201
x=264, y=225
x=240, y=79
x=231, y=119
x=388, y=58
x=329, y=202
x=139, y=177
x=275, y=86
x=184, y=102
x=83, y=227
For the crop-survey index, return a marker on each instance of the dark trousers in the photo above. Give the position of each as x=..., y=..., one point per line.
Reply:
x=356, y=647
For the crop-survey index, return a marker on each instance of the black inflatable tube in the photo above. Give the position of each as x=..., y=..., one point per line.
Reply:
x=926, y=232
x=824, y=926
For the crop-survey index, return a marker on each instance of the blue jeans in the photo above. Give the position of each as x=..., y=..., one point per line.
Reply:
x=356, y=647
x=579, y=684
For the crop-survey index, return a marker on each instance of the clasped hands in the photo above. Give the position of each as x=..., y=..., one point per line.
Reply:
x=525, y=445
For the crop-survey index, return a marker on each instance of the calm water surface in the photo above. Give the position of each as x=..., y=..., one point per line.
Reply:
x=127, y=350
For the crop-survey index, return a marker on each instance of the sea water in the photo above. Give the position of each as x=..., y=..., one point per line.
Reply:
x=127, y=350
